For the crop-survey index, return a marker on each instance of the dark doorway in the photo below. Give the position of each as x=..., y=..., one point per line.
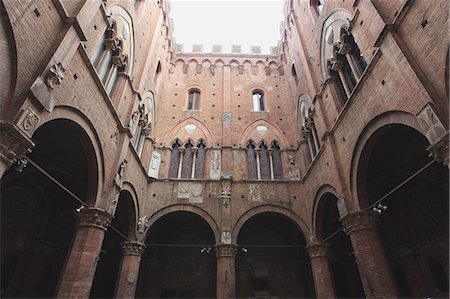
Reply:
x=272, y=260
x=179, y=261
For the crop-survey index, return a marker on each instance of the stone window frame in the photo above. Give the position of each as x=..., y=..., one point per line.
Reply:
x=196, y=168
x=254, y=165
x=195, y=106
x=262, y=101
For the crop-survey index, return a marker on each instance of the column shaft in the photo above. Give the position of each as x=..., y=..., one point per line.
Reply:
x=129, y=269
x=323, y=281
x=226, y=272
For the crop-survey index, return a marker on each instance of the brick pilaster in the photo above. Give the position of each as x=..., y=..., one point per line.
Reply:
x=78, y=275
x=129, y=269
x=226, y=271
x=373, y=267
x=318, y=253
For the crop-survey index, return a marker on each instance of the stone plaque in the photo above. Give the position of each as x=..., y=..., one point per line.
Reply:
x=193, y=192
x=294, y=174
x=226, y=117
x=28, y=121
x=155, y=162
x=215, y=165
x=183, y=190
x=254, y=192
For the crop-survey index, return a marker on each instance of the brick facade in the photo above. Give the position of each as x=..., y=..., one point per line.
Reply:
x=127, y=133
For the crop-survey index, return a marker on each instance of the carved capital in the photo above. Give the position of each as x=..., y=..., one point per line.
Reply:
x=335, y=65
x=55, y=75
x=181, y=149
x=94, y=217
x=133, y=248
x=225, y=250
x=361, y=220
x=194, y=150
x=13, y=143
x=114, y=44
x=317, y=250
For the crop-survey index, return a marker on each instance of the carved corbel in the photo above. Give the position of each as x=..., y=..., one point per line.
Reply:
x=55, y=75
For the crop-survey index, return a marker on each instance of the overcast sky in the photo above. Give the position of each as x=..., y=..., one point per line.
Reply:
x=227, y=22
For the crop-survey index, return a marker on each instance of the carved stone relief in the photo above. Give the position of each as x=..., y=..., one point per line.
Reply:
x=55, y=75
x=226, y=117
x=215, y=165
x=28, y=121
x=294, y=174
x=430, y=124
x=226, y=237
x=254, y=192
x=154, y=165
x=143, y=223
x=193, y=192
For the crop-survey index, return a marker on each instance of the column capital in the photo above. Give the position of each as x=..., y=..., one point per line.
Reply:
x=225, y=250
x=94, y=217
x=361, y=220
x=317, y=250
x=182, y=149
x=194, y=150
x=132, y=248
x=345, y=48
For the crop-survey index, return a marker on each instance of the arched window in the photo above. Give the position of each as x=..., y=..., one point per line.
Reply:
x=342, y=58
x=111, y=56
x=174, y=160
x=276, y=161
x=308, y=127
x=188, y=161
x=200, y=160
x=251, y=161
x=264, y=163
x=258, y=101
x=193, y=100
x=141, y=123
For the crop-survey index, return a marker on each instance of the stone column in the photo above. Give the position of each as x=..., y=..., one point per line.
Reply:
x=226, y=280
x=194, y=161
x=181, y=149
x=373, y=266
x=323, y=282
x=258, y=164
x=336, y=66
x=129, y=269
x=345, y=49
x=270, y=152
x=78, y=275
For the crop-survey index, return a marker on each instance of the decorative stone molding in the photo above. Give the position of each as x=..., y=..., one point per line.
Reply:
x=114, y=45
x=361, y=220
x=317, y=250
x=94, y=217
x=55, y=75
x=225, y=250
x=226, y=198
x=335, y=65
x=13, y=143
x=226, y=237
x=118, y=179
x=133, y=248
x=121, y=61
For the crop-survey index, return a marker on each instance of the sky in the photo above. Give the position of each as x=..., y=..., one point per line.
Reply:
x=227, y=22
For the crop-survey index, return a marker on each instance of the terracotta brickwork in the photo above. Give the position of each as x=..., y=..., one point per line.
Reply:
x=140, y=104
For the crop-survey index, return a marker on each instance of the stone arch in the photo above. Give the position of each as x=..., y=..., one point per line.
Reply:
x=172, y=134
x=219, y=61
x=269, y=209
x=9, y=47
x=316, y=216
x=273, y=64
x=358, y=161
x=129, y=187
x=278, y=134
x=247, y=62
x=79, y=118
x=185, y=208
x=180, y=60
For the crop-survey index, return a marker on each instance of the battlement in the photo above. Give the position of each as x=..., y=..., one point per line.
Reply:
x=219, y=49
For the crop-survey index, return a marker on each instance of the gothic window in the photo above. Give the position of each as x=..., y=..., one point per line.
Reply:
x=258, y=101
x=174, y=160
x=251, y=161
x=111, y=56
x=188, y=161
x=264, y=163
x=308, y=127
x=200, y=160
x=141, y=123
x=193, y=100
x=276, y=161
x=343, y=59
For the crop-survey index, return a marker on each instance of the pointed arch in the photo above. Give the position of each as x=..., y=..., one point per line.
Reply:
x=174, y=132
x=248, y=133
